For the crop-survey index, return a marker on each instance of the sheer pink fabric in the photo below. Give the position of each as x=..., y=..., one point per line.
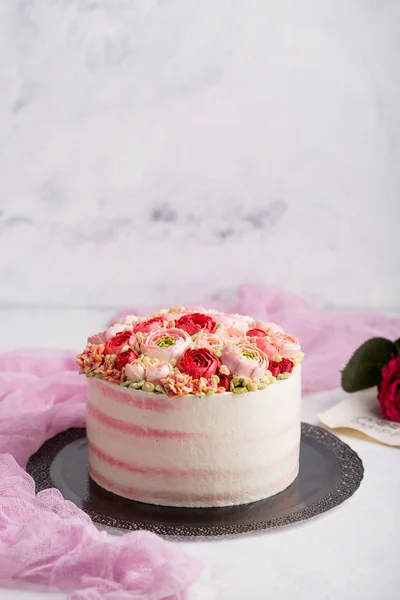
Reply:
x=46, y=540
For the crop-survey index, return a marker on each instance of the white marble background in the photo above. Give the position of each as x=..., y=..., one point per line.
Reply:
x=160, y=151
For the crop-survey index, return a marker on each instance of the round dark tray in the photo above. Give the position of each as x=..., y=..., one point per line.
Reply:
x=330, y=472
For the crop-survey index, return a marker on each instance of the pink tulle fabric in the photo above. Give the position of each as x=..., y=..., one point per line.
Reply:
x=46, y=540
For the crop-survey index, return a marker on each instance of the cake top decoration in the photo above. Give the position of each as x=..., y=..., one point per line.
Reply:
x=191, y=351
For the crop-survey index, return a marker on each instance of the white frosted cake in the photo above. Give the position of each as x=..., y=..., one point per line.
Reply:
x=193, y=408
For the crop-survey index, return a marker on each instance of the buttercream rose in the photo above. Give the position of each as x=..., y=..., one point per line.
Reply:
x=274, y=368
x=97, y=338
x=111, y=331
x=149, y=325
x=193, y=322
x=225, y=381
x=256, y=332
x=229, y=333
x=244, y=359
x=104, y=336
x=288, y=345
x=199, y=362
x=157, y=370
x=135, y=371
x=232, y=321
x=124, y=357
x=151, y=370
x=269, y=349
x=166, y=344
x=286, y=365
x=129, y=319
x=117, y=342
x=212, y=341
x=389, y=390
x=270, y=328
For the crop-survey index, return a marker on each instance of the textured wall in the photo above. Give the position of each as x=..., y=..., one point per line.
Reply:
x=158, y=151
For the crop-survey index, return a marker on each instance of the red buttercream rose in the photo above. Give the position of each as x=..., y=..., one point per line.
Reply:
x=194, y=322
x=225, y=381
x=199, y=362
x=116, y=342
x=389, y=390
x=255, y=332
x=286, y=365
x=149, y=325
x=123, y=358
x=274, y=367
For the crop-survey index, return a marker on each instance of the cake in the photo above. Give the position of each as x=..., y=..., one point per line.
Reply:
x=193, y=408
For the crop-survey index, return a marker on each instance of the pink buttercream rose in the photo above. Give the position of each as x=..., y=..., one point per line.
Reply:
x=129, y=320
x=166, y=344
x=288, y=345
x=132, y=342
x=135, y=371
x=110, y=332
x=97, y=338
x=174, y=316
x=175, y=313
x=230, y=333
x=157, y=370
x=244, y=359
x=232, y=321
x=269, y=328
x=212, y=341
x=269, y=349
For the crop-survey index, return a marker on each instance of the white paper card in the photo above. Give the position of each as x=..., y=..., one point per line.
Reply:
x=361, y=411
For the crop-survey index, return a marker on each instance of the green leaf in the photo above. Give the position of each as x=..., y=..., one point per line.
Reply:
x=397, y=343
x=364, y=368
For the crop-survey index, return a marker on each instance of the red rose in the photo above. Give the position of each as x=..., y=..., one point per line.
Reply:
x=225, y=381
x=255, y=332
x=389, y=390
x=286, y=365
x=149, y=325
x=123, y=358
x=199, y=362
x=194, y=322
x=116, y=342
x=274, y=367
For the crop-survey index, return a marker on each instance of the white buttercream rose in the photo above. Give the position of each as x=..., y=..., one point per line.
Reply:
x=135, y=371
x=149, y=369
x=157, y=370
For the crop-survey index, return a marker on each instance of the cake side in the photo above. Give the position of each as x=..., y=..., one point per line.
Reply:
x=194, y=451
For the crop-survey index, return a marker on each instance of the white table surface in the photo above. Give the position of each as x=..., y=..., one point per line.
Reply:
x=351, y=552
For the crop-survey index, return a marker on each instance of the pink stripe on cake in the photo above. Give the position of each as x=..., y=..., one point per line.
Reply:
x=134, y=467
x=143, y=496
x=131, y=429
x=138, y=400
x=115, y=431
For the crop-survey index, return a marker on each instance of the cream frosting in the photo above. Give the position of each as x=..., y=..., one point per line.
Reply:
x=194, y=451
